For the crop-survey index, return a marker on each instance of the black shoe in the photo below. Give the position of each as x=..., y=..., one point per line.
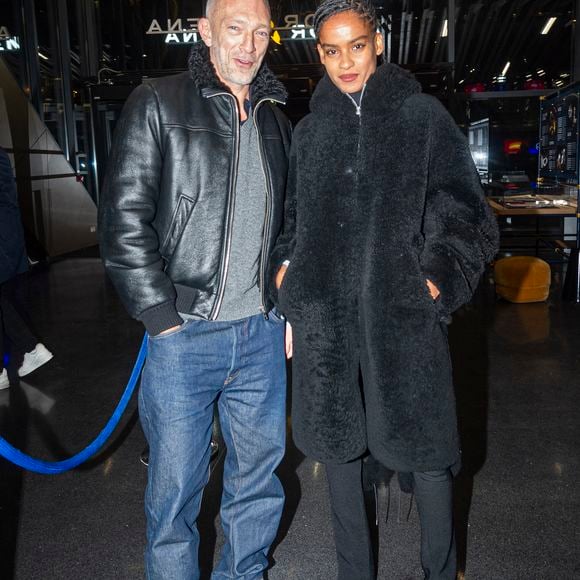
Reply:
x=214, y=446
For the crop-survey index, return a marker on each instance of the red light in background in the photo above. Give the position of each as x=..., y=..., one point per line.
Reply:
x=474, y=88
x=512, y=146
x=532, y=84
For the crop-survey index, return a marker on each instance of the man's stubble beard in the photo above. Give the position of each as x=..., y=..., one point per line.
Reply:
x=230, y=73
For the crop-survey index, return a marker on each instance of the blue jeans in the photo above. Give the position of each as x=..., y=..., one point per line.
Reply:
x=241, y=365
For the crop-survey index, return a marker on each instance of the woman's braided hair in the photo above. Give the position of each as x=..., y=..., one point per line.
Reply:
x=328, y=8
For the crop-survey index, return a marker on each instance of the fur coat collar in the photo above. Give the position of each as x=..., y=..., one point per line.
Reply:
x=385, y=92
x=265, y=85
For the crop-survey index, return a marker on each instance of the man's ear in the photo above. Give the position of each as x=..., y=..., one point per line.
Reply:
x=379, y=44
x=204, y=30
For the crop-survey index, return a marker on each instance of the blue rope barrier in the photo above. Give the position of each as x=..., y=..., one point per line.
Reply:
x=52, y=467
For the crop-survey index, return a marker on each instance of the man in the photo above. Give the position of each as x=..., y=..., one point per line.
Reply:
x=192, y=204
x=387, y=233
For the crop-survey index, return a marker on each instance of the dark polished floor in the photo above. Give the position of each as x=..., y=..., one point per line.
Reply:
x=517, y=373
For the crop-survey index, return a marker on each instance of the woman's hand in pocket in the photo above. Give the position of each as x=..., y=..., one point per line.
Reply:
x=433, y=290
x=288, y=343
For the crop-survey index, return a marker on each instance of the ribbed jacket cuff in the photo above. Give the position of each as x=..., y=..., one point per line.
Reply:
x=160, y=318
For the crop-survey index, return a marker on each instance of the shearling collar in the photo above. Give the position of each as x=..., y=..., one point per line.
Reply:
x=265, y=85
x=384, y=94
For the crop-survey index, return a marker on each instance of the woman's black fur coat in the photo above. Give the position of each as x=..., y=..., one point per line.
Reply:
x=376, y=204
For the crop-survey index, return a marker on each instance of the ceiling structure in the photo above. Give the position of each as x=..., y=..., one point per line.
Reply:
x=114, y=44
x=498, y=42
x=489, y=34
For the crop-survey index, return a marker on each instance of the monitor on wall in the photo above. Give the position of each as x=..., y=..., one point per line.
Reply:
x=558, y=159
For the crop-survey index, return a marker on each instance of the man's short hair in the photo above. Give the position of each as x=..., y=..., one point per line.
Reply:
x=328, y=8
x=211, y=4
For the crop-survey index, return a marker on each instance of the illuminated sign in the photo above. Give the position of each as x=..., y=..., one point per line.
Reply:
x=185, y=30
x=8, y=42
x=175, y=33
x=298, y=30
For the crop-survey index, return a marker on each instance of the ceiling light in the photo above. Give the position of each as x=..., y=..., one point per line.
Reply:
x=505, y=68
x=548, y=25
x=444, y=29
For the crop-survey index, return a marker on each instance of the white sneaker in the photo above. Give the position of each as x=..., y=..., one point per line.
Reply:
x=34, y=359
x=4, y=382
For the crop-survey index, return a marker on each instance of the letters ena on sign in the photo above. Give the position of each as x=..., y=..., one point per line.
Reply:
x=8, y=42
x=184, y=30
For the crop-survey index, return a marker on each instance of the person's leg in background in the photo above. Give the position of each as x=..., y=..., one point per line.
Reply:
x=349, y=521
x=252, y=410
x=434, y=496
x=20, y=336
x=15, y=328
x=4, y=382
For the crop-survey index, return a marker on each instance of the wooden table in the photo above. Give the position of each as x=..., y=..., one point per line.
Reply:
x=500, y=209
x=571, y=289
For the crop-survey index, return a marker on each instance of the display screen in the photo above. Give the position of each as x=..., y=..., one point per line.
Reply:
x=559, y=136
x=479, y=146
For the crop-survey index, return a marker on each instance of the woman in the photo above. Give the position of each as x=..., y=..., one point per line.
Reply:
x=386, y=234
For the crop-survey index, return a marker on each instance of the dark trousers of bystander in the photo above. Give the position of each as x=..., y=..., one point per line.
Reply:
x=13, y=328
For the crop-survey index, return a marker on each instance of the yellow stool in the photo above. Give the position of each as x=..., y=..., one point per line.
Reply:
x=522, y=279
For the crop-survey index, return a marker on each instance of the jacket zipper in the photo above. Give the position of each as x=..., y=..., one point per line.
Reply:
x=356, y=105
x=268, y=213
x=359, y=115
x=232, y=199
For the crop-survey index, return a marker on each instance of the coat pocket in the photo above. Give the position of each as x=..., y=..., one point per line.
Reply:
x=435, y=304
x=178, y=222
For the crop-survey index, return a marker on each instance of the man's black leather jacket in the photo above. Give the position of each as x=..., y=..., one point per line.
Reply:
x=166, y=210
